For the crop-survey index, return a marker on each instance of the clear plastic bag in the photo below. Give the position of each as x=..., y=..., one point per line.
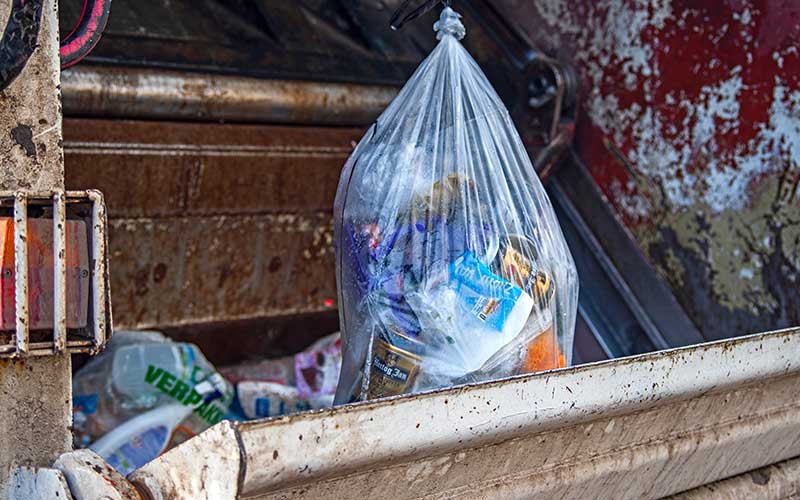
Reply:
x=451, y=265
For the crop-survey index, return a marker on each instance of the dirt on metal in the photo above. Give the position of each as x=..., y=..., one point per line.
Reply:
x=30, y=115
x=644, y=427
x=691, y=126
x=209, y=222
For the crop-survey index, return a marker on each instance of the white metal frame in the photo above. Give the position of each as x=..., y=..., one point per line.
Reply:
x=101, y=317
x=641, y=427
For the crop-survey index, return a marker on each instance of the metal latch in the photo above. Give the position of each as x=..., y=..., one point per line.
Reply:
x=54, y=285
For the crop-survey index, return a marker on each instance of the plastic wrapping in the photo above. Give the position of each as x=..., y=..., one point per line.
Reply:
x=451, y=265
x=143, y=395
x=273, y=387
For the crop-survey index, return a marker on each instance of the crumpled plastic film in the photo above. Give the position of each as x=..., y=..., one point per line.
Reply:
x=143, y=395
x=451, y=265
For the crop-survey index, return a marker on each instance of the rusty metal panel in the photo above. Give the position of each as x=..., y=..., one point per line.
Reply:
x=642, y=427
x=123, y=92
x=154, y=169
x=174, y=271
x=213, y=222
x=691, y=126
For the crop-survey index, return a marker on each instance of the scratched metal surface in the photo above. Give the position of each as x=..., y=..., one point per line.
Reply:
x=36, y=413
x=642, y=427
x=212, y=222
x=690, y=123
x=30, y=115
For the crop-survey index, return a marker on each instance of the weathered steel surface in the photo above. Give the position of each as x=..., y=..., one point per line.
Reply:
x=611, y=251
x=30, y=114
x=32, y=266
x=30, y=483
x=691, y=125
x=101, y=295
x=36, y=409
x=215, y=476
x=156, y=169
x=180, y=270
x=89, y=477
x=776, y=482
x=261, y=38
x=213, y=222
x=331, y=40
x=170, y=95
x=642, y=427
x=36, y=413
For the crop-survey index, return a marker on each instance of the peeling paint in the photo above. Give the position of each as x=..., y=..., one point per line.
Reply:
x=691, y=126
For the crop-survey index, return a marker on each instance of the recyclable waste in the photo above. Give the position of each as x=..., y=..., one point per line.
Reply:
x=304, y=381
x=143, y=395
x=146, y=394
x=451, y=266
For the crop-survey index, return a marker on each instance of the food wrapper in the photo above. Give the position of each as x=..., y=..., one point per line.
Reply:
x=304, y=381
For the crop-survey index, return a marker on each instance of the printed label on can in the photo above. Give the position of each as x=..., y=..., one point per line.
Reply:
x=392, y=371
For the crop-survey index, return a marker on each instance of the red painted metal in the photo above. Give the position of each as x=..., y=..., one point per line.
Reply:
x=750, y=47
x=689, y=121
x=87, y=32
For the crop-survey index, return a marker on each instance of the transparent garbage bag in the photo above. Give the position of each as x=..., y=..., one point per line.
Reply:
x=451, y=265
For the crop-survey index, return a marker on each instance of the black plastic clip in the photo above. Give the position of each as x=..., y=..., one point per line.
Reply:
x=400, y=18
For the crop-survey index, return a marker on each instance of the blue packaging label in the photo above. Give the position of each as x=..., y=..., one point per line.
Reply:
x=266, y=407
x=86, y=404
x=484, y=295
x=139, y=450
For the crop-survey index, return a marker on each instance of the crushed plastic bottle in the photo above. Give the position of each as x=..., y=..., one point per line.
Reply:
x=145, y=388
x=304, y=381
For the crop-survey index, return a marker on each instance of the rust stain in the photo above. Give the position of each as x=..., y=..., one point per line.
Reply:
x=213, y=222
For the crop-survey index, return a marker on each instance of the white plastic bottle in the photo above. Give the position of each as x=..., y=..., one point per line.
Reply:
x=140, y=439
x=136, y=367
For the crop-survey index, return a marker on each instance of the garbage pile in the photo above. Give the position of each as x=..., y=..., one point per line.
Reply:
x=143, y=395
x=451, y=265
x=304, y=381
x=146, y=394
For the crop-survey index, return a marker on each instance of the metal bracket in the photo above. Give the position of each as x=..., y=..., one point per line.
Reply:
x=551, y=87
x=99, y=328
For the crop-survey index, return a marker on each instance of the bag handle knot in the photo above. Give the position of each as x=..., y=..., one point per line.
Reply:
x=449, y=23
